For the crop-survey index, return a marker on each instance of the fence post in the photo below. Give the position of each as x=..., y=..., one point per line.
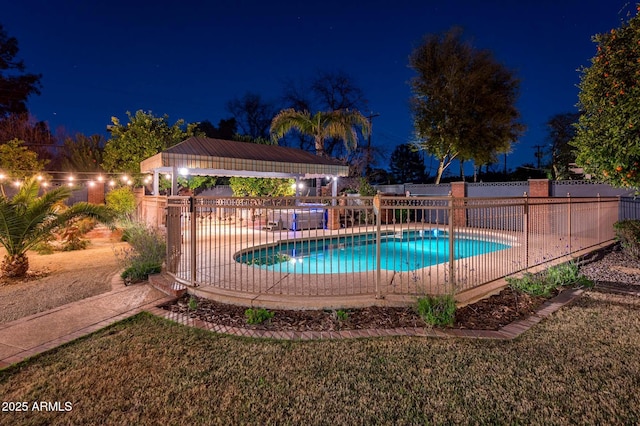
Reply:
x=598, y=225
x=377, y=211
x=525, y=229
x=192, y=238
x=569, y=221
x=451, y=241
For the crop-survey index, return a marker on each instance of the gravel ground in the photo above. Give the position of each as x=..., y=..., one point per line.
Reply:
x=613, y=267
x=61, y=278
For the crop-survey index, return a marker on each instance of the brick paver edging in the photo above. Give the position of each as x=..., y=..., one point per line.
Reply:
x=508, y=332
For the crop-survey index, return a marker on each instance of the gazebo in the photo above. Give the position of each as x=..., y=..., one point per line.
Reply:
x=218, y=157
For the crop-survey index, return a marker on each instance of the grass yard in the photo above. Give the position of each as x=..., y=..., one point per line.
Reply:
x=580, y=366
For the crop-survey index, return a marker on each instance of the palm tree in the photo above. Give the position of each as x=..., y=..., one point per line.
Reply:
x=341, y=124
x=27, y=219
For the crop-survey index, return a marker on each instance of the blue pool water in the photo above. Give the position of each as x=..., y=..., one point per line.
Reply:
x=406, y=251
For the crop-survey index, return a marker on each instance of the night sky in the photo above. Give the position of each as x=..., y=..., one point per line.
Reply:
x=188, y=59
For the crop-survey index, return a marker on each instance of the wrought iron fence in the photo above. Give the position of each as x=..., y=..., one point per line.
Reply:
x=384, y=247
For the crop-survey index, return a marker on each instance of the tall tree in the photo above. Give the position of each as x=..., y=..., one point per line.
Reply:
x=35, y=134
x=226, y=129
x=561, y=131
x=463, y=101
x=27, y=219
x=144, y=136
x=82, y=153
x=252, y=114
x=406, y=165
x=18, y=162
x=608, y=136
x=342, y=124
x=326, y=91
x=15, y=85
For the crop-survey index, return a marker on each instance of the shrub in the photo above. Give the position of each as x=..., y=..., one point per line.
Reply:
x=72, y=234
x=257, y=315
x=146, y=253
x=140, y=271
x=122, y=201
x=567, y=274
x=542, y=284
x=437, y=310
x=193, y=303
x=628, y=233
x=533, y=284
x=44, y=247
x=342, y=315
x=365, y=189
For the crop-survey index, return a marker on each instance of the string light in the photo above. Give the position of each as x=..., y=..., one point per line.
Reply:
x=79, y=179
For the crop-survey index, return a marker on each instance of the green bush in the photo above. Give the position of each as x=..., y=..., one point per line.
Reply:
x=342, y=315
x=533, y=284
x=365, y=189
x=542, y=284
x=567, y=274
x=193, y=303
x=73, y=232
x=140, y=271
x=257, y=315
x=123, y=201
x=146, y=253
x=628, y=233
x=437, y=310
x=148, y=242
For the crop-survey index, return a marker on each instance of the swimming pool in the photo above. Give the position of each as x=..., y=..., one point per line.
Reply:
x=400, y=251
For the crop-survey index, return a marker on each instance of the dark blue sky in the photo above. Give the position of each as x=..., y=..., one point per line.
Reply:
x=187, y=59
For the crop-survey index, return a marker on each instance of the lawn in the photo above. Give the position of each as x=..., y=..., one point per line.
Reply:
x=579, y=366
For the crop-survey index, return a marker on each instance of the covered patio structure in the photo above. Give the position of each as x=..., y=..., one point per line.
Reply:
x=203, y=156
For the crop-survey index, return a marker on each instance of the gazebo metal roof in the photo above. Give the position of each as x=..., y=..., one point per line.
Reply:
x=218, y=157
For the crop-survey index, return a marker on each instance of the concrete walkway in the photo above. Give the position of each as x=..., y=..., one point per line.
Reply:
x=40, y=332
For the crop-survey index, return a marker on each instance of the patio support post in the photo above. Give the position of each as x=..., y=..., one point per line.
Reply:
x=174, y=181
x=334, y=190
x=156, y=183
x=192, y=240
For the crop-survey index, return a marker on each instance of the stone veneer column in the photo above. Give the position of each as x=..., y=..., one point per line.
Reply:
x=539, y=213
x=333, y=219
x=95, y=194
x=539, y=188
x=459, y=190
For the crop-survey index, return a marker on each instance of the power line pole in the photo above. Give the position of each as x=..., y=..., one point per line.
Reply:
x=538, y=153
